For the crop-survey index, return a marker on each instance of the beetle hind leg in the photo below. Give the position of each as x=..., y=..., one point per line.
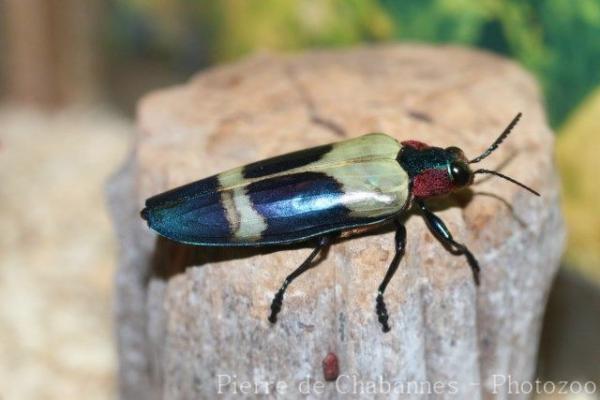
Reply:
x=307, y=264
x=380, y=307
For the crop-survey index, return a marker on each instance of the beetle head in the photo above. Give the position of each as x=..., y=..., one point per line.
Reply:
x=436, y=171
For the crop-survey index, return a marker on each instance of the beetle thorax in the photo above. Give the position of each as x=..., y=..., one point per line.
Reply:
x=434, y=171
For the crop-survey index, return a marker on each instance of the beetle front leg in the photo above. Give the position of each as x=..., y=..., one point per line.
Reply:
x=277, y=302
x=440, y=230
x=380, y=307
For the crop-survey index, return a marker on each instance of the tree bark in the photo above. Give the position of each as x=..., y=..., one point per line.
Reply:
x=190, y=319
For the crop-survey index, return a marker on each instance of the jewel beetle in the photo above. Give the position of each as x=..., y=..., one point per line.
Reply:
x=315, y=194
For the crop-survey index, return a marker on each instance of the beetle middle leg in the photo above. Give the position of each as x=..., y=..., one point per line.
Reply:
x=277, y=302
x=380, y=307
x=440, y=230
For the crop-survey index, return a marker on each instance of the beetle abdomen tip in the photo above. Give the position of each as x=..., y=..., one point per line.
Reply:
x=144, y=213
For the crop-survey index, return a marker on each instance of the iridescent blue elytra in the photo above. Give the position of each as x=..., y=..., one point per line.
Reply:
x=317, y=193
x=289, y=198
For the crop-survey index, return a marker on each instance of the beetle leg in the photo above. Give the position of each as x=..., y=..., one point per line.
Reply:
x=380, y=307
x=439, y=230
x=306, y=265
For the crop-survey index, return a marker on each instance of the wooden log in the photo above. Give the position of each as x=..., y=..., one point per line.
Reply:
x=191, y=332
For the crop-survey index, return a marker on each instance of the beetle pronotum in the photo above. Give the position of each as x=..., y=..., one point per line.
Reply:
x=316, y=193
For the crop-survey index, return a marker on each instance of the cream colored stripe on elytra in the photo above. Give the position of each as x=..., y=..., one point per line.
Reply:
x=378, y=185
x=230, y=210
x=369, y=147
x=245, y=222
x=365, y=167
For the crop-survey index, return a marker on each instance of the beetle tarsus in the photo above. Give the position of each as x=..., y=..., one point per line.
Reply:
x=382, y=313
x=276, y=305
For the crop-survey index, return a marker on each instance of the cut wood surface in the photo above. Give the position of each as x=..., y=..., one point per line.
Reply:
x=191, y=319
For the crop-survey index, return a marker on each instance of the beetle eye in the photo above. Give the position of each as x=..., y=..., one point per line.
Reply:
x=460, y=173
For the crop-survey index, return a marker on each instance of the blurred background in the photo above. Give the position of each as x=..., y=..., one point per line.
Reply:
x=71, y=72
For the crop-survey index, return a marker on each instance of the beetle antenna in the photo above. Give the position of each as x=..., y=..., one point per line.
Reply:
x=508, y=178
x=499, y=140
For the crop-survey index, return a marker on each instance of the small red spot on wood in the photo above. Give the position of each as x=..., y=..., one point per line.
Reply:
x=331, y=367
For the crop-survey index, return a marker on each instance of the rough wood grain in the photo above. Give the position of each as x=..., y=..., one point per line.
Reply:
x=179, y=329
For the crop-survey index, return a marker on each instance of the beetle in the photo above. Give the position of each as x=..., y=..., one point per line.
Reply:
x=316, y=193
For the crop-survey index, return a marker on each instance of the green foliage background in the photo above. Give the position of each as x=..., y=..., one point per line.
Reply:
x=558, y=40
